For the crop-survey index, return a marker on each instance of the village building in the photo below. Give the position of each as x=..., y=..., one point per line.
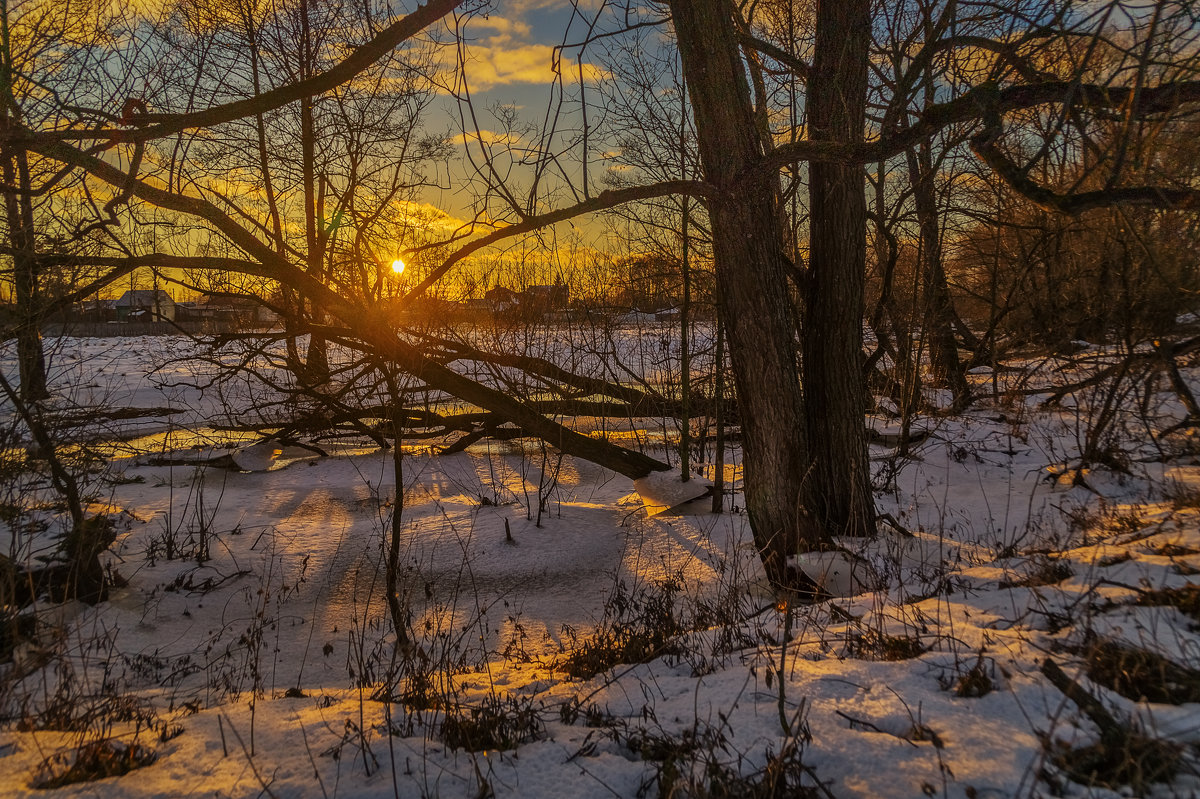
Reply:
x=145, y=305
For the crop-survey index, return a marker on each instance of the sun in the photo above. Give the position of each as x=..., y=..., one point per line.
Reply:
x=397, y=266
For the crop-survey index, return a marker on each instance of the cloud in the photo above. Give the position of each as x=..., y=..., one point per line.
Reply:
x=488, y=137
x=502, y=62
x=521, y=7
x=501, y=25
x=421, y=221
x=509, y=50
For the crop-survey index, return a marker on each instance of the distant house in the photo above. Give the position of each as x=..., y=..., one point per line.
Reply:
x=188, y=312
x=546, y=298
x=98, y=311
x=500, y=299
x=229, y=310
x=533, y=302
x=145, y=305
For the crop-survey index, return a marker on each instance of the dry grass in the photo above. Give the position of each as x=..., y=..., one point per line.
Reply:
x=1138, y=674
x=92, y=761
x=639, y=626
x=498, y=724
x=1185, y=599
x=1043, y=570
x=875, y=645
x=1135, y=761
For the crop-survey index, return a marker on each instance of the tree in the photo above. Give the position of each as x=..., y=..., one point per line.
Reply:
x=805, y=454
x=752, y=282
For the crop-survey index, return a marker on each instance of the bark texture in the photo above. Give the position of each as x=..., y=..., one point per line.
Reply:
x=837, y=488
x=18, y=210
x=752, y=281
x=938, y=321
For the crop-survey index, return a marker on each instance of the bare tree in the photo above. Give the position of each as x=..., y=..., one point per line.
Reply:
x=805, y=453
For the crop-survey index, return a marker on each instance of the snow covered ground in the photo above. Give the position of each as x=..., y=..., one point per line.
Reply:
x=251, y=652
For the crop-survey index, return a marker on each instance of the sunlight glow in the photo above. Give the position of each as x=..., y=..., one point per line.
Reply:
x=397, y=266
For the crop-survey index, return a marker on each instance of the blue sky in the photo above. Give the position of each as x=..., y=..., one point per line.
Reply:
x=510, y=58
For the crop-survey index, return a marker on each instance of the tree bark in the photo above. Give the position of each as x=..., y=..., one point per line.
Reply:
x=938, y=311
x=31, y=359
x=317, y=363
x=837, y=488
x=752, y=281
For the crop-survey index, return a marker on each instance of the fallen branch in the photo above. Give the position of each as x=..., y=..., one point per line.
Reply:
x=1110, y=729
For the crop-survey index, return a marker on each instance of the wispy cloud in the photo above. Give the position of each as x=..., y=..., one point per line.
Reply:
x=522, y=7
x=422, y=221
x=501, y=51
x=487, y=137
x=505, y=62
x=501, y=25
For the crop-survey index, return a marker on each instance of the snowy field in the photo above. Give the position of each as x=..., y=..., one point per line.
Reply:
x=1034, y=628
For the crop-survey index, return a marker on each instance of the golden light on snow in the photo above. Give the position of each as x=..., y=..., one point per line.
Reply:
x=397, y=266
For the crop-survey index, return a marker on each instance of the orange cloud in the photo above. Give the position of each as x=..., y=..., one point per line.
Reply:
x=501, y=25
x=498, y=52
x=500, y=62
x=488, y=137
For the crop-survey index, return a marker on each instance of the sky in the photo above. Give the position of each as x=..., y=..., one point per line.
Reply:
x=510, y=60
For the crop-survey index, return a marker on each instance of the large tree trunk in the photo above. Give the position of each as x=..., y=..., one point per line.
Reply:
x=838, y=487
x=752, y=283
x=18, y=210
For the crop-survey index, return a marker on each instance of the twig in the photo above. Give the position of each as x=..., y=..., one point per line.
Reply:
x=1110, y=729
x=266, y=786
x=869, y=726
x=313, y=761
x=859, y=722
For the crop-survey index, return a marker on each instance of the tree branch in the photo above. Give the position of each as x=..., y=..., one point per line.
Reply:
x=798, y=66
x=602, y=201
x=156, y=126
x=985, y=146
x=370, y=324
x=980, y=101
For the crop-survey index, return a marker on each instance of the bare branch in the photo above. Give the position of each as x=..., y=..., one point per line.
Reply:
x=371, y=325
x=798, y=66
x=978, y=102
x=156, y=126
x=602, y=201
x=985, y=147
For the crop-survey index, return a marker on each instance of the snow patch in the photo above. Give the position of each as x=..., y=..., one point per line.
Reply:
x=838, y=573
x=661, y=491
x=256, y=457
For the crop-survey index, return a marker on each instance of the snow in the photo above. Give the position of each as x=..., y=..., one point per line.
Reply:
x=275, y=583
x=662, y=491
x=256, y=457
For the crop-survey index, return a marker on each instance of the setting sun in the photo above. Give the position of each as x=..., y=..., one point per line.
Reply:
x=397, y=266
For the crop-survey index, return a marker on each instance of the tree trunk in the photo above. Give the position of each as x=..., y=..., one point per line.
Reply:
x=752, y=282
x=718, y=478
x=938, y=311
x=317, y=363
x=838, y=487
x=31, y=360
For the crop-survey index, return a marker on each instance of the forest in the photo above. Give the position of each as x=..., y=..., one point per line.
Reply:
x=685, y=399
